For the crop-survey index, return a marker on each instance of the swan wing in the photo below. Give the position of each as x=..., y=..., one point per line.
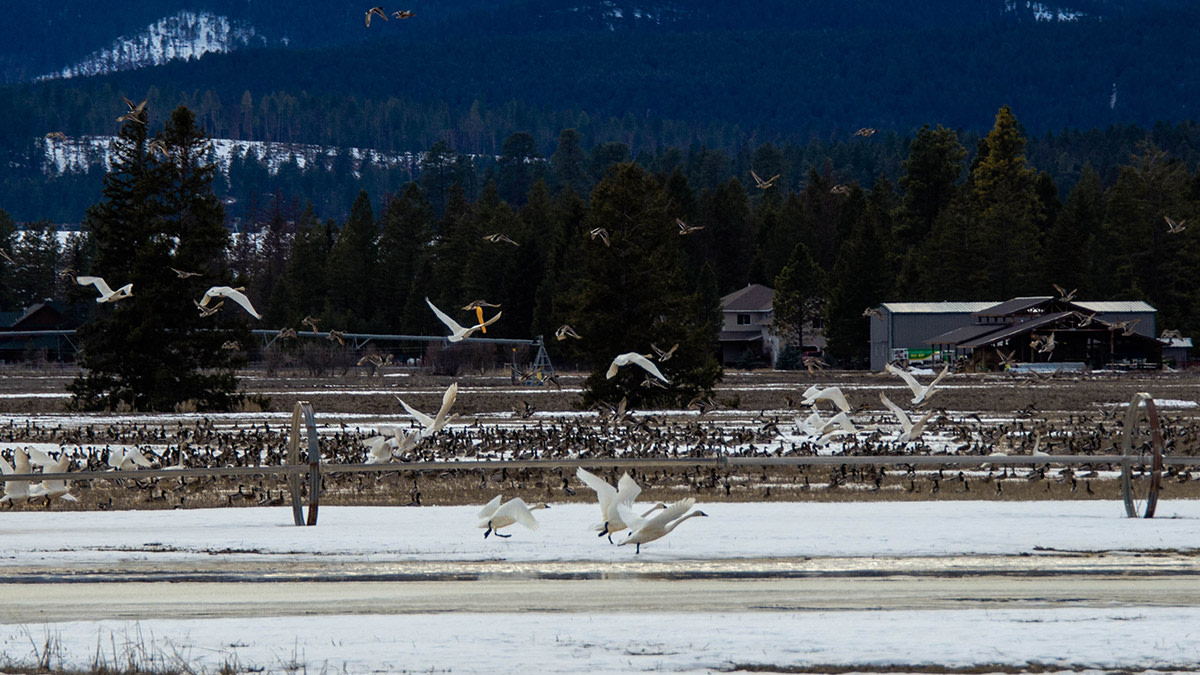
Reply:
x=627, y=489
x=40, y=458
x=448, y=399
x=919, y=426
x=672, y=512
x=905, y=423
x=445, y=318
x=835, y=395
x=647, y=365
x=98, y=282
x=241, y=299
x=605, y=492
x=138, y=458
x=907, y=377
x=810, y=394
x=21, y=460
x=842, y=420
x=5, y=467
x=489, y=509
x=612, y=369
x=519, y=511
x=938, y=379
x=422, y=419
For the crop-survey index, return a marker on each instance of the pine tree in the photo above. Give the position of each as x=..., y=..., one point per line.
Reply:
x=352, y=269
x=153, y=351
x=302, y=289
x=406, y=235
x=799, y=297
x=8, y=239
x=37, y=255
x=569, y=163
x=931, y=174
x=632, y=294
x=517, y=159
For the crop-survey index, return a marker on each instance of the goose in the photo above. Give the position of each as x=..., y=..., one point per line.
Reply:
x=106, y=294
x=375, y=11
x=601, y=234
x=876, y=312
x=477, y=304
x=911, y=431
x=685, y=229
x=56, y=135
x=637, y=359
x=813, y=364
x=404, y=14
x=128, y=460
x=134, y=113
x=498, y=237
x=495, y=515
x=832, y=394
x=232, y=345
x=664, y=354
x=866, y=132
x=51, y=489
x=311, y=322
x=15, y=490
x=184, y=275
x=457, y=332
x=232, y=293
x=432, y=425
x=645, y=530
x=920, y=393
x=564, y=331
x=1063, y=294
x=839, y=189
x=208, y=311
x=764, y=184
x=626, y=491
x=339, y=335
x=1173, y=226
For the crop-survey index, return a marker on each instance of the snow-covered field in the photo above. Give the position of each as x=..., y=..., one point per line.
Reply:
x=1133, y=636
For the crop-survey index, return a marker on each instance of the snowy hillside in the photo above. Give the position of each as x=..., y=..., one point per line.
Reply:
x=182, y=36
x=1042, y=12
x=77, y=155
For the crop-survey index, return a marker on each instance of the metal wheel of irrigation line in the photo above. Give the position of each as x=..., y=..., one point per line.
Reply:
x=303, y=411
x=1127, y=452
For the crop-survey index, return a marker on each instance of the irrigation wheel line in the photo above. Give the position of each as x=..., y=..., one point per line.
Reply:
x=303, y=412
x=1156, y=444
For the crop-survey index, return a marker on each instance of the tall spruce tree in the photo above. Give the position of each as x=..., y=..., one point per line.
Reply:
x=153, y=351
x=406, y=235
x=799, y=297
x=352, y=269
x=8, y=240
x=632, y=294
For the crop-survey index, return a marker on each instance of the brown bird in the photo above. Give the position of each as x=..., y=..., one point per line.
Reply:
x=1174, y=227
x=866, y=132
x=876, y=312
x=664, y=355
x=337, y=335
x=764, y=184
x=404, y=14
x=208, y=311
x=57, y=135
x=375, y=11
x=498, y=237
x=310, y=322
x=840, y=189
x=134, y=113
x=1065, y=296
x=602, y=234
x=477, y=304
x=231, y=345
x=184, y=275
x=564, y=331
x=287, y=333
x=684, y=228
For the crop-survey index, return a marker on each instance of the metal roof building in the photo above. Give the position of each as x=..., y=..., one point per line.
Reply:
x=901, y=328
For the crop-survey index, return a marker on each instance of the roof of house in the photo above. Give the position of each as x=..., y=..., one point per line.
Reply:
x=935, y=307
x=1016, y=329
x=1013, y=306
x=752, y=298
x=1177, y=343
x=1116, y=306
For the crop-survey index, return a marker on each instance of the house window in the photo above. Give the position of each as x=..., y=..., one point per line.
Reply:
x=743, y=319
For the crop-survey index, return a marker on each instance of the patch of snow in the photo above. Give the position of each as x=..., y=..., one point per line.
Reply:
x=1042, y=12
x=183, y=36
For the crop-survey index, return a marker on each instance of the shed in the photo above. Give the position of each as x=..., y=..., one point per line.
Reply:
x=900, y=329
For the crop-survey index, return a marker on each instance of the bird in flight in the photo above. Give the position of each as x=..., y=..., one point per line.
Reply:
x=600, y=233
x=664, y=354
x=684, y=228
x=404, y=14
x=1173, y=226
x=208, y=311
x=477, y=304
x=375, y=11
x=106, y=294
x=1064, y=295
x=184, y=275
x=636, y=359
x=311, y=323
x=564, y=331
x=764, y=184
x=498, y=237
x=338, y=335
x=457, y=332
x=840, y=189
x=920, y=393
x=56, y=135
x=134, y=112
x=234, y=294
x=866, y=132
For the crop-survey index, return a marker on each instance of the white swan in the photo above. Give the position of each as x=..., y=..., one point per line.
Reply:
x=644, y=530
x=15, y=490
x=382, y=448
x=626, y=492
x=234, y=294
x=432, y=425
x=458, y=333
x=51, y=489
x=832, y=394
x=128, y=460
x=106, y=294
x=636, y=359
x=495, y=515
x=824, y=431
x=920, y=393
x=911, y=431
